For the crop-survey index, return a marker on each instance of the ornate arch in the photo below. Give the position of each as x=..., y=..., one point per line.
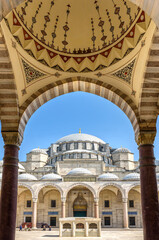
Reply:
x=131, y=187
x=80, y=184
x=69, y=85
x=28, y=187
x=119, y=187
x=45, y=185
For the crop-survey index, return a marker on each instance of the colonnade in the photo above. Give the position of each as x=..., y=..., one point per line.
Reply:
x=95, y=215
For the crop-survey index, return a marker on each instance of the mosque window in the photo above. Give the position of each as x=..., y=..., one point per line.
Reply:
x=106, y=203
x=107, y=221
x=67, y=146
x=28, y=203
x=92, y=146
x=53, y=203
x=83, y=145
x=131, y=203
x=72, y=156
x=132, y=221
x=28, y=219
x=79, y=155
x=75, y=145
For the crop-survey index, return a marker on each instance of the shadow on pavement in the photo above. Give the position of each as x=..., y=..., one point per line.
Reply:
x=50, y=236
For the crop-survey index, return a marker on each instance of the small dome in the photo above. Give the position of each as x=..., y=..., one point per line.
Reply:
x=132, y=176
x=79, y=172
x=107, y=176
x=51, y=177
x=80, y=137
x=26, y=176
x=21, y=168
x=121, y=150
x=38, y=150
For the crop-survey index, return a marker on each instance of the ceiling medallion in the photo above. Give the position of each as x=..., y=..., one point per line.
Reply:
x=49, y=35
x=126, y=72
x=30, y=72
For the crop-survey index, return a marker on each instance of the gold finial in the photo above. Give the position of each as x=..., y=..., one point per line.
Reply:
x=80, y=130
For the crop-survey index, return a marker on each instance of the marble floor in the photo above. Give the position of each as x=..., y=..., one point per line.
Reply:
x=107, y=234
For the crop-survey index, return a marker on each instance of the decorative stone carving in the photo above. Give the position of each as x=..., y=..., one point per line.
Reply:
x=13, y=138
x=146, y=137
x=31, y=73
x=126, y=72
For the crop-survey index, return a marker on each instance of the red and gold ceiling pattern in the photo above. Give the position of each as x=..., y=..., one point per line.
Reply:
x=81, y=36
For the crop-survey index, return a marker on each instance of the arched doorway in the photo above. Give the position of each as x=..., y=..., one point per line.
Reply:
x=80, y=206
x=79, y=202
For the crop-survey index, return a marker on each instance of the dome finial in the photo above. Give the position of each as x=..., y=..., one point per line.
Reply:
x=79, y=130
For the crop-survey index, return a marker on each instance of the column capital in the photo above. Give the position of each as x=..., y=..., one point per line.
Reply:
x=63, y=200
x=35, y=200
x=124, y=200
x=145, y=137
x=12, y=138
x=96, y=200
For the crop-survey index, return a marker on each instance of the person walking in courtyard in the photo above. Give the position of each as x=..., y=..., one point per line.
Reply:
x=20, y=227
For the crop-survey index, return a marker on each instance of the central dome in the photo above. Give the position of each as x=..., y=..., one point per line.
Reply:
x=80, y=137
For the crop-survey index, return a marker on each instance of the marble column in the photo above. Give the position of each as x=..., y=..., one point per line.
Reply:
x=61, y=229
x=149, y=194
x=96, y=209
x=73, y=229
x=9, y=192
x=125, y=213
x=63, y=209
x=86, y=229
x=34, y=219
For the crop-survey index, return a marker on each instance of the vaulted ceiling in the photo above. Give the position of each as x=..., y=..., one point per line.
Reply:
x=52, y=44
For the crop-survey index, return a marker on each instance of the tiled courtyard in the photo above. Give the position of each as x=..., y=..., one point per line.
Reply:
x=115, y=234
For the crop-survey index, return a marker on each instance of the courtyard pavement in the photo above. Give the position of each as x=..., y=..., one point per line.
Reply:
x=107, y=234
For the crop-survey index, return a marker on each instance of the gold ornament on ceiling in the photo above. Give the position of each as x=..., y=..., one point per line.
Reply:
x=78, y=36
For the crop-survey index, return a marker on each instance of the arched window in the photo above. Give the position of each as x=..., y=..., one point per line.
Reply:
x=92, y=226
x=66, y=226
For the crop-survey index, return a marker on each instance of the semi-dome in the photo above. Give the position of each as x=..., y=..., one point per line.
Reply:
x=107, y=176
x=121, y=150
x=80, y=137
x=26, y=176
x=38, y=150
x=132, y=176
x=79, y=171
x=52, y=177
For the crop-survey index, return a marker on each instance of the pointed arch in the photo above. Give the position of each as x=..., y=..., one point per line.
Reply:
x=119, y=187
x=41, y=186
x=80, y=184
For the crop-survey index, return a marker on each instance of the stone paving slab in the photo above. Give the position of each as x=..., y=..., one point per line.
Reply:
x=107, y=234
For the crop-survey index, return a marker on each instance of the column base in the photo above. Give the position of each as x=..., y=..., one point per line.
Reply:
x=34, y=228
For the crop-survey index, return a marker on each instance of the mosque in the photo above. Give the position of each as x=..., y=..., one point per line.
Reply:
x=80, y=176
x=109, y=48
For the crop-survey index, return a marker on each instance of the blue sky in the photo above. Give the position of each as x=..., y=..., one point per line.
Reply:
x=64, y=115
